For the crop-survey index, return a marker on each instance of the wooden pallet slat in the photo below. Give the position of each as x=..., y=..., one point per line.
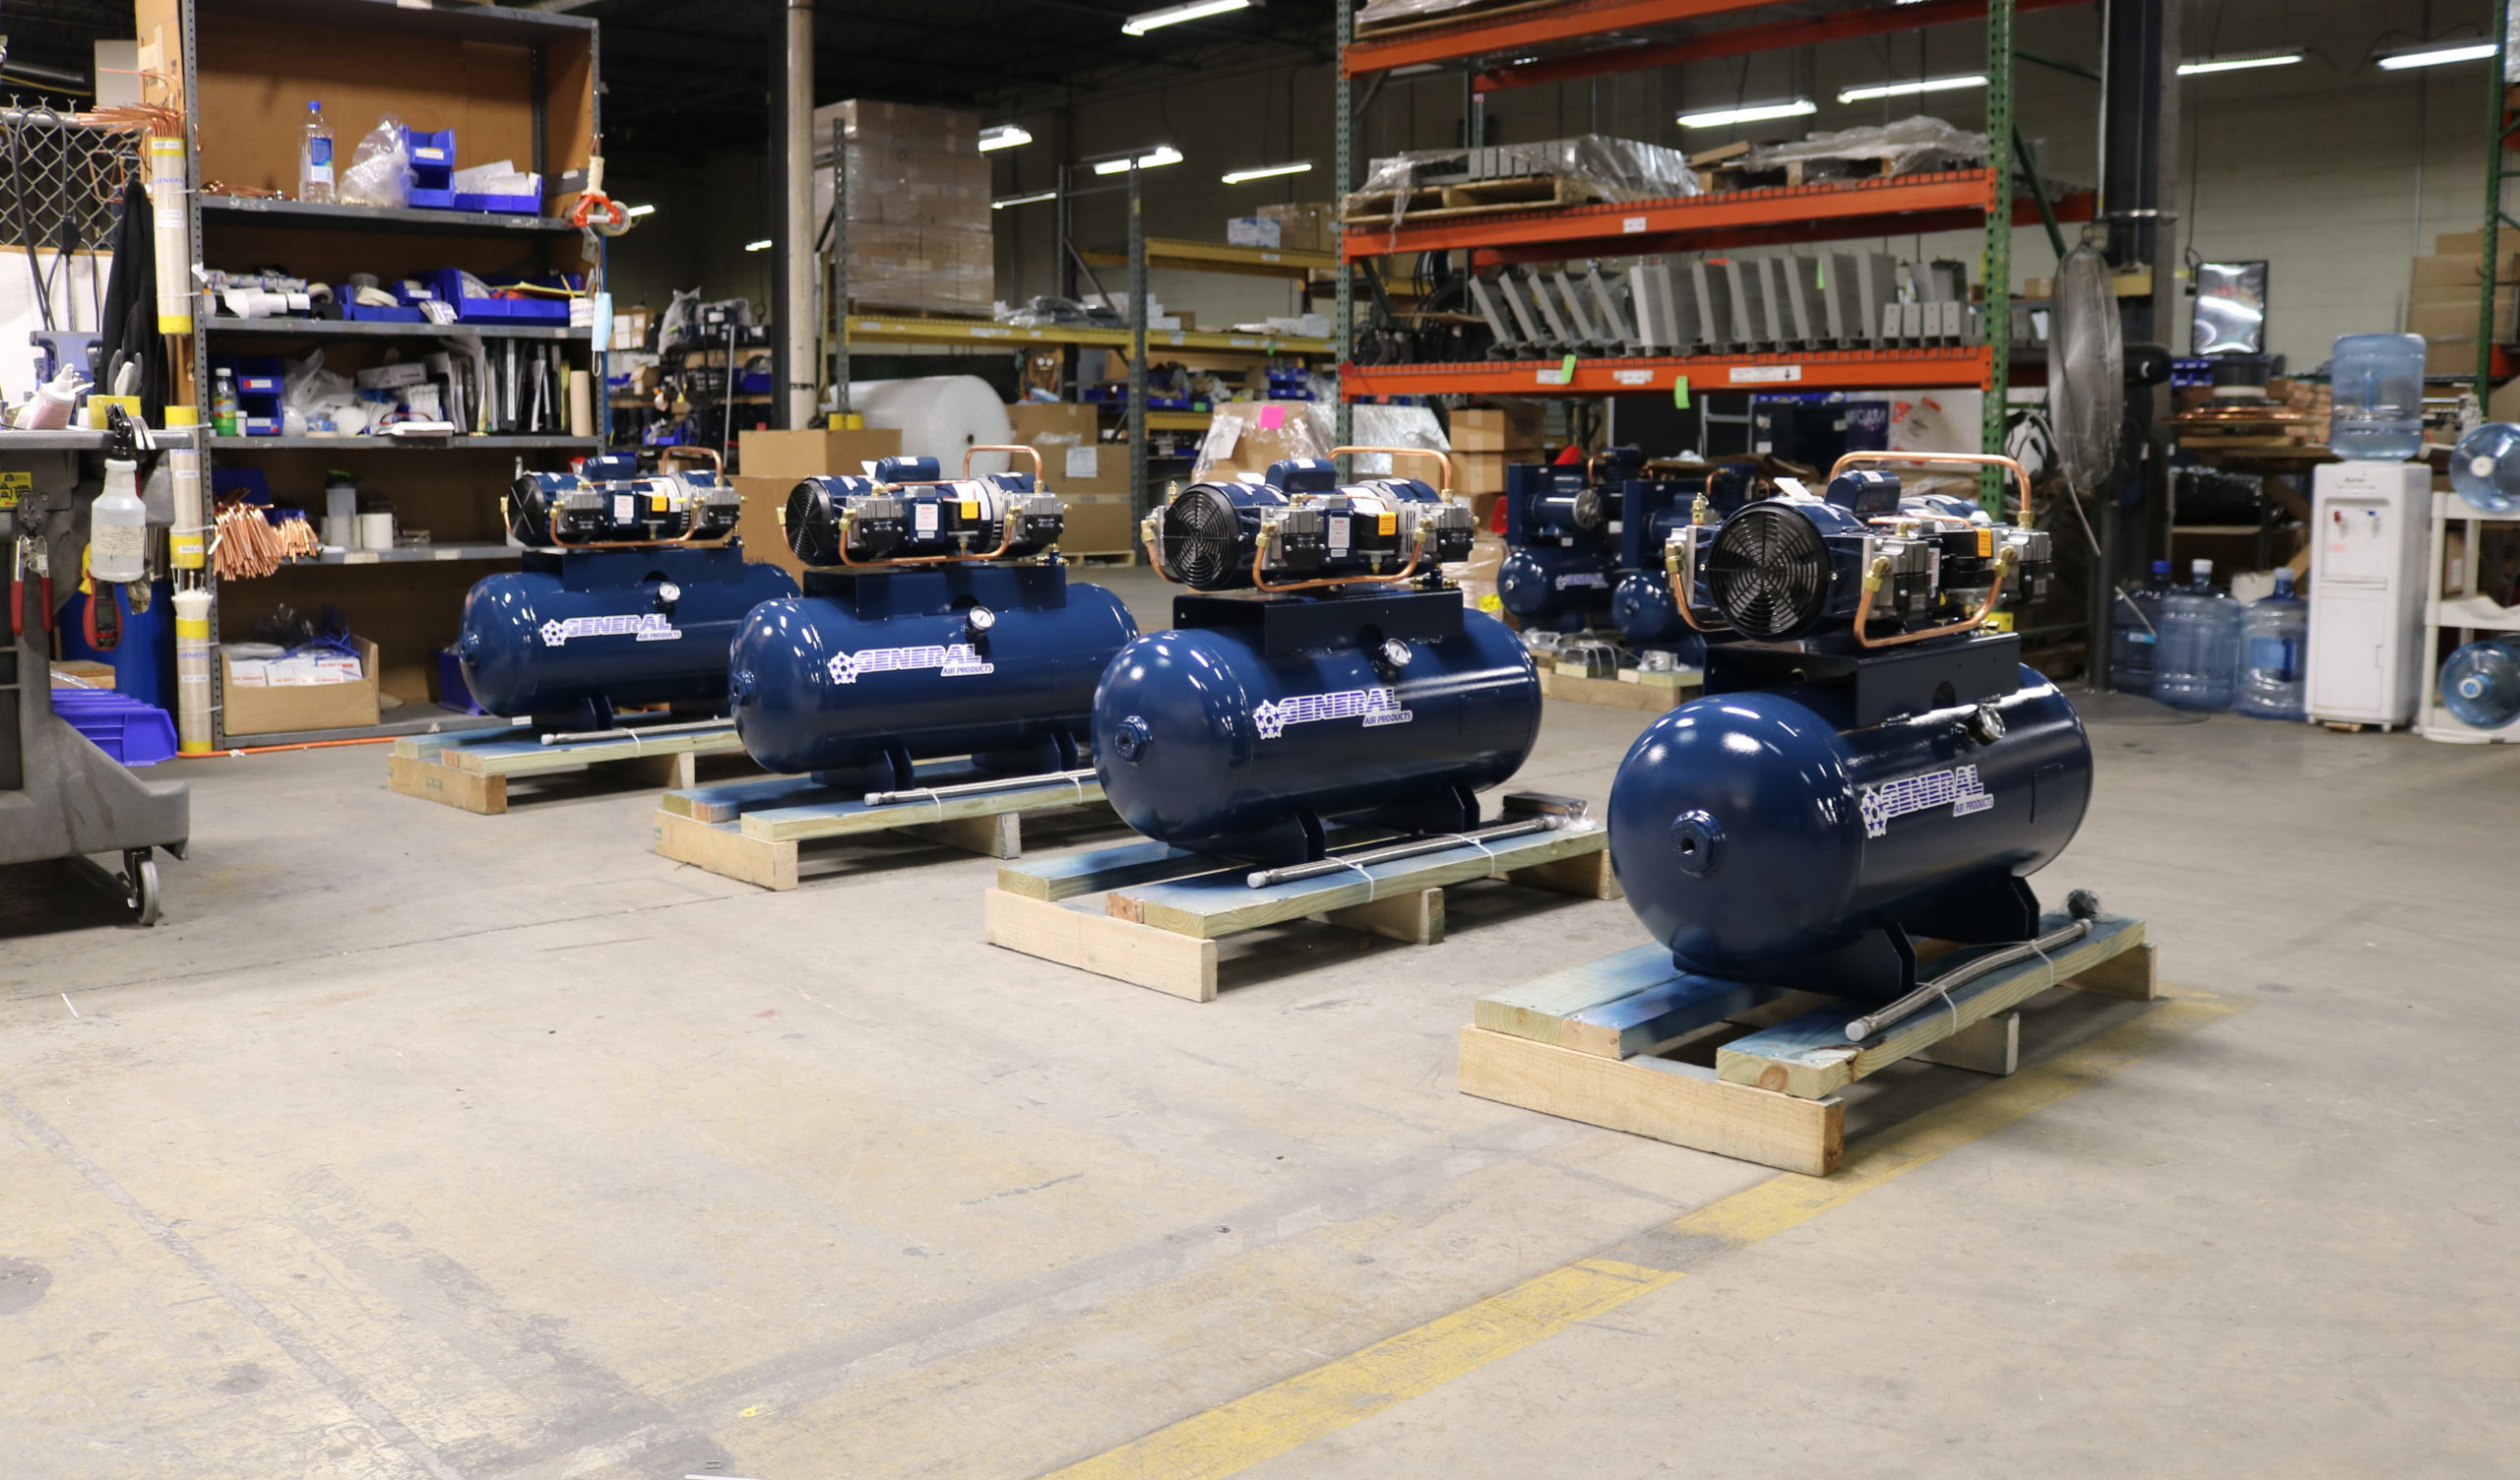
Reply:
x=470, y=769
x=1164, y=909
x=1582, y=1043
x=751, y=831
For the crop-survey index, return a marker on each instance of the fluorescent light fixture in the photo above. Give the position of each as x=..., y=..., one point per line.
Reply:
x=2437, y=54
x=1266, y=173
x=638, y=211
x=1034, y=197
x=1908, y=90
x=1174, y=15
x=762, y=245
x=1162, y=154
x=2203, y=65
x=1002, y=136
x=1757, y=112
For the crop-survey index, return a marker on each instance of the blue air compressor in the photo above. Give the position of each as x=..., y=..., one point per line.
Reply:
x=1353, y=685
x=1647, y=619
x=937, y=621
x=1871, y=765
x=631, y=587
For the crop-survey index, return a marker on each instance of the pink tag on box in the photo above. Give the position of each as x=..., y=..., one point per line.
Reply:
x=1272, y=418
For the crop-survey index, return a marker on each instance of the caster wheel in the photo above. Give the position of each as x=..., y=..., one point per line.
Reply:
x=140, y=888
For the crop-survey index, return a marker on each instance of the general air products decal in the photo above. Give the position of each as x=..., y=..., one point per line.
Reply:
x=1374, y=706
x=957, y=660
x=646, y=627
x=1957, y=788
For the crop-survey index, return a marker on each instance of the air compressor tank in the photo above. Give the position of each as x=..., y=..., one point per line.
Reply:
x=619, y=600
x=1255, y=724
x=1892, y=773
x=938, y=623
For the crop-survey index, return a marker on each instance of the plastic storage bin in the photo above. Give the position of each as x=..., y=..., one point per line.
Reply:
x=132, y=732
x=432, y=168
x=2377, y=381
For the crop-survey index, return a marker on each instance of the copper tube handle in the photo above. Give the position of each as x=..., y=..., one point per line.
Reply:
x=1026, y=449
x=1863, y=606
x=1443, y=460
x=1683, y=594
x=2020, y=476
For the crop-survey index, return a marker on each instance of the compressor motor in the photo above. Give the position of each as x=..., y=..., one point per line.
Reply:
x=1347, y=682
x=629, y=590
x=937, y=622
x=1871, y=764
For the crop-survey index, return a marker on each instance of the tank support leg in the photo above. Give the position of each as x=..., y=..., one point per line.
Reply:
x=1990, y=912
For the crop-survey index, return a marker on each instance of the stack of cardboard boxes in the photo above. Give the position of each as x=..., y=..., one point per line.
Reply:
x=919, y=218
x=1485, y=441
x=2446, y=293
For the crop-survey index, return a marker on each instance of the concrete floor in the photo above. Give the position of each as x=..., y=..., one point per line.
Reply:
x=423, y=1144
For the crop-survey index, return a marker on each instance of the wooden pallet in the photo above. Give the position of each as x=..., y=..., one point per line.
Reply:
x=470, y=769
x=1425, y=202
x=1165, y=909
x=750, y=830
x=1633, y=689
x=1476, y=10
x=1591, y=1044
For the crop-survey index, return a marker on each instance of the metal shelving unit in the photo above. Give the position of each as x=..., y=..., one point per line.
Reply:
x=1590, y=38
x=558, y=49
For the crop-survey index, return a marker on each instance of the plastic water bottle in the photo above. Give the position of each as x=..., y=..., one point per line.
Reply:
x=2134, y=634
x=2274, y=641
x=2486, y=468
x=2480, y=683
x=315, y=158
x=2376, y=384
x=2199, y=649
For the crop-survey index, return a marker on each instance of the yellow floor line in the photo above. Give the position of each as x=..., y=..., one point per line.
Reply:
x=1234, y=1436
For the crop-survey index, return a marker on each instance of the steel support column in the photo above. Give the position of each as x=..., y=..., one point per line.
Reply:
x=2138, y=148
x=1996, y=271
x=1343, y=179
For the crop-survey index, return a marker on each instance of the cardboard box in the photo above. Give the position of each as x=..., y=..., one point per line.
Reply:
x=2463, y=270
x=263, y=710
x=2451, y=355
x=759, y=526
x=1090, y=475
x=1478, y=475
x=1303, y=226
x=1251, y=231
x=1496, y=429
x=2458, y=319
x=794, y=455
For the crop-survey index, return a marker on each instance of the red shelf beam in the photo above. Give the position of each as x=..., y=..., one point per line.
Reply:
x=1959, y=366
x=1413, y=46
x=1726, y=218
x=1737, y=41
x=1946, y=201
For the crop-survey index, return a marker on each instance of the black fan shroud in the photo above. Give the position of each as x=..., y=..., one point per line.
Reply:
x=1203, y=538
x=1768, y=572
x=813, y=526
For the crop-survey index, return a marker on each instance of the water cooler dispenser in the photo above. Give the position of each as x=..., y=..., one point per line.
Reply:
x=2370, y=524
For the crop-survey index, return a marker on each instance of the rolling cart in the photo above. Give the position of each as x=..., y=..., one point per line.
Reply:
x=60, y=796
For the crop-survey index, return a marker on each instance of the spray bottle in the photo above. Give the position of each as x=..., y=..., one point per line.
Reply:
x=118, y=530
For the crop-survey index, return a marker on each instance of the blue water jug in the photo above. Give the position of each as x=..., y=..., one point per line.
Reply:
x=2199, y=651
x=2274, y=647
x=2486, y=468
x=2480, y=683
x=2134, y=634
x=2377, y=381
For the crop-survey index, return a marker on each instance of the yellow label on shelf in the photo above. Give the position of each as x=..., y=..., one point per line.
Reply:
x=185, y=550
x=14, y=486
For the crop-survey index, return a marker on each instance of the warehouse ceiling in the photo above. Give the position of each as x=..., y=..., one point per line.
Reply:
x=691, y=76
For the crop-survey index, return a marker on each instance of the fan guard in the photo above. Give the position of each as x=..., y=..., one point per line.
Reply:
x=1202, y=536
x=813, y=527
x=1768, y=572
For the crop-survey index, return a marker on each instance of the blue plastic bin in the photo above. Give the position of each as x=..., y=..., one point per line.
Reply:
x=132, y=732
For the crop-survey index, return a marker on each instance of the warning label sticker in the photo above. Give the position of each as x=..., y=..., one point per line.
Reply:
x=1957, y=788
